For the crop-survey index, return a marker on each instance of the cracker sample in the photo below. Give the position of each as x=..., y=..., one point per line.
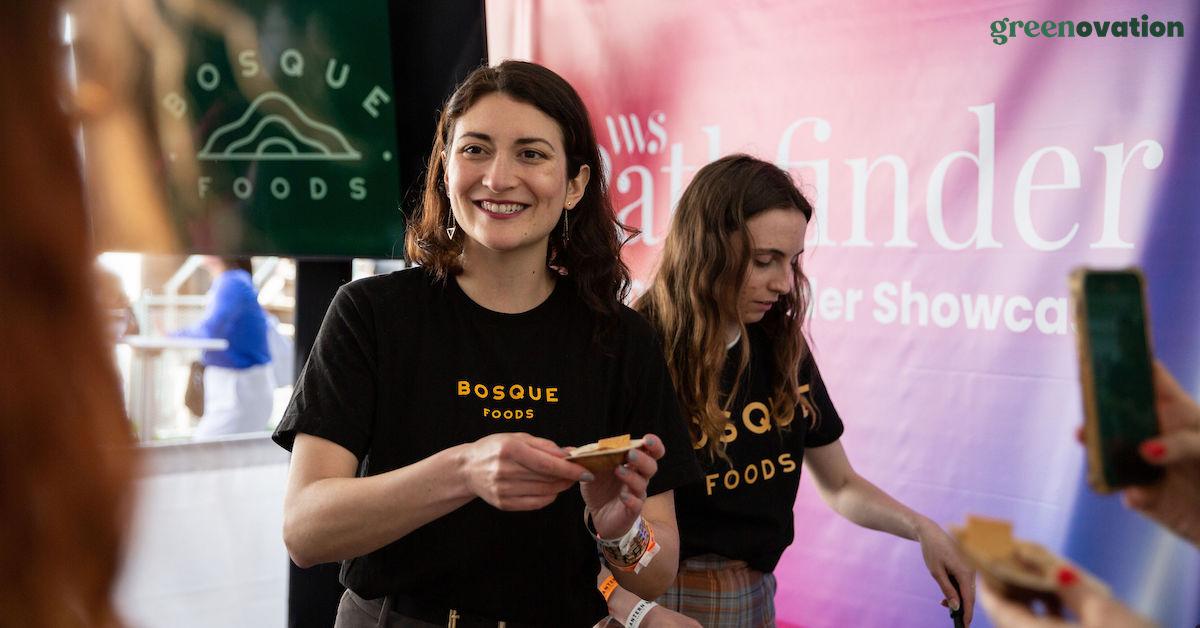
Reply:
x=605, y=454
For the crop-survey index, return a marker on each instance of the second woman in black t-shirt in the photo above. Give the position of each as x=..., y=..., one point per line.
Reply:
x=728, y=302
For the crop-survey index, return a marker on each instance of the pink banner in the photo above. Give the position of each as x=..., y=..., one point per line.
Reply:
x=957, y=179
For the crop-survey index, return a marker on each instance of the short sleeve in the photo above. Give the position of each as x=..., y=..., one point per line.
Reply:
x=828, y=426
x=656, y=407
x=335, y=396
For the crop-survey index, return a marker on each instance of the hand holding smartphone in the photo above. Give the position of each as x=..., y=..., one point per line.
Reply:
x=1116, y=373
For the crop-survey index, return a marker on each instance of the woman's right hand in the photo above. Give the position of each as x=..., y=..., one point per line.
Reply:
x=517, y=471
x=1173, y=502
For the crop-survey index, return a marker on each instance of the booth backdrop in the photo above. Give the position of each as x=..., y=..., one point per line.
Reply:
x=957, y=182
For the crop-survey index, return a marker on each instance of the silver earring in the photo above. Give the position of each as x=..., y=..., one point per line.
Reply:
x=451, y=226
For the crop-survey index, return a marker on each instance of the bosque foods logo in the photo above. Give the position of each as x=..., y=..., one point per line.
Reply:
x=275, y=128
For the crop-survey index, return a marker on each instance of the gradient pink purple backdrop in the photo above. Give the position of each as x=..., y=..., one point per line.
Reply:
x=950, y=420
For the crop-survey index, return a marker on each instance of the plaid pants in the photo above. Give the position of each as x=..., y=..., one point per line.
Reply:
x=722, y=593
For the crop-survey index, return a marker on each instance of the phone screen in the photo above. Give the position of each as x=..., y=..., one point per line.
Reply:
x=1123, y=381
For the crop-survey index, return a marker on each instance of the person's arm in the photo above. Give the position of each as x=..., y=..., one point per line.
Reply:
x=616, y=499
x=330, y=515
x=655, y=578
x=863, y=503
x=622, y=602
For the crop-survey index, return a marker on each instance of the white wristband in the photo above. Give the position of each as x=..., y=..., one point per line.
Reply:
x=626, y=540
x=639, y=613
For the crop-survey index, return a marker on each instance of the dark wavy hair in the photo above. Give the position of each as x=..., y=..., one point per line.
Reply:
x=693, y=296
x=593, y=257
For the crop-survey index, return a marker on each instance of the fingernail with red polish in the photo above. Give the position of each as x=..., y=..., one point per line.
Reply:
x=1154, y=450
x=1067, y=576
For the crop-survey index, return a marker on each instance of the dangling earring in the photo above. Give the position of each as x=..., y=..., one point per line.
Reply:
x=451, y=226
x=566, y=232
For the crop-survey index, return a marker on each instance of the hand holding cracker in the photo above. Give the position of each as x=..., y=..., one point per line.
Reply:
x=623, y=468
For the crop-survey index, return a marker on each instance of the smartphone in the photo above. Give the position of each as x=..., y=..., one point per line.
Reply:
x=1113, y=342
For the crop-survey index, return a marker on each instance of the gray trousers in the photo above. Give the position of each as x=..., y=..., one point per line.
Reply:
x=356, y=612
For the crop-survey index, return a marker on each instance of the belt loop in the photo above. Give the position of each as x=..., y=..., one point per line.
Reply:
x=385, y=610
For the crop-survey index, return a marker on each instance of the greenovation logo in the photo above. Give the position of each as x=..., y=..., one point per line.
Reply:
x=1005, y=28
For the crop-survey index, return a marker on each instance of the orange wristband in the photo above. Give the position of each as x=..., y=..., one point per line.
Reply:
x=607, y=587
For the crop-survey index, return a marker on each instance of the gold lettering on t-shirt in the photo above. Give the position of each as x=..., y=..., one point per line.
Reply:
x=731, y=483
x=730, y=434
x=756, y=416
x=501, y=392
x=764, y=470
x=768, y=468
x=506, y=392
x=758, y=427
x=500, y=414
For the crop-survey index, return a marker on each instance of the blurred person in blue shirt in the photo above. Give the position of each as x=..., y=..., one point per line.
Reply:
x=238, y=382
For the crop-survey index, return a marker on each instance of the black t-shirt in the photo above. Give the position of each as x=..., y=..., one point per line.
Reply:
x=405, y=366
x=743, y=511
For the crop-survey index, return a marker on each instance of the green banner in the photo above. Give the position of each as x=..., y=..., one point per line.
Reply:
x=290, y=108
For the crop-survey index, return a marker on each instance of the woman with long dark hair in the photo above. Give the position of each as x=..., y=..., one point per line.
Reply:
x=729, y=302
x=428, y=427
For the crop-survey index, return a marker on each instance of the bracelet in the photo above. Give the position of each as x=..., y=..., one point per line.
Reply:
x=639, y=613
x=607, y=587
x=633, y=551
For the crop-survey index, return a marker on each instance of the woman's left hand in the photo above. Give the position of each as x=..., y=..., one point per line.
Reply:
x=1086, y=597
x=615, y=499
x=944, y=560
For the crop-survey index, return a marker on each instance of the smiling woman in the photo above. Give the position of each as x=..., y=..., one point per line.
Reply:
x=506, y=175
x=407, y=464
x=553, y=134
